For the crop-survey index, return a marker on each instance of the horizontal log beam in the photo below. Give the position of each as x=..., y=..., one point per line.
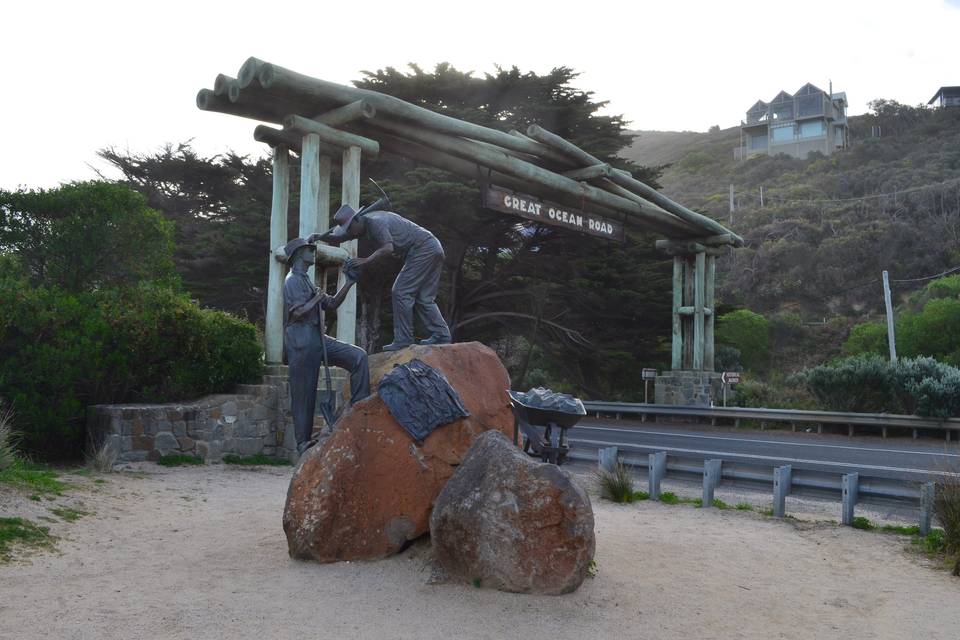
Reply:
x=627, y=181
x=207, y=100
x=347, y=113
x=593, y=171
x=689, y=311
x=656, y=219
x=446, y=162
x=369, y=148
x=296, y=87
x=291, y=140
x=221, y=86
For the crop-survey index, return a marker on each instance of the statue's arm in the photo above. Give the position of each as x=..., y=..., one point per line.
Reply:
x=332, y=303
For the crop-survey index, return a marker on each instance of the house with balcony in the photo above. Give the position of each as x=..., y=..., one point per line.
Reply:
x=809, y=120
x=946, y=97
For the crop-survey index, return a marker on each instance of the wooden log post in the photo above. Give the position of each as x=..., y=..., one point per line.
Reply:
x=273, y=322
x=323, y=212
x=927, y=494
x=688, y=294
x=350, y=194
x=698, y=314
x=676, y=362
x=309, y=188
x=849, y=490
x=709, y=301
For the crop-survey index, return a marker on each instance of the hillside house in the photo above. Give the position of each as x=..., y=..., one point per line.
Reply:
x=946, y=97
x=809, y=120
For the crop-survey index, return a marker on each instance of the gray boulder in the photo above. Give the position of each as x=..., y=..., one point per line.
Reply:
x=511, y=523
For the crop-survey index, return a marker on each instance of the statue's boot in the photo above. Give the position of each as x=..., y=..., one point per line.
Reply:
x=435, y=340
x=396, y=346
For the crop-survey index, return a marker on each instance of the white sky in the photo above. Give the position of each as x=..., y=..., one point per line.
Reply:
x=80, y=75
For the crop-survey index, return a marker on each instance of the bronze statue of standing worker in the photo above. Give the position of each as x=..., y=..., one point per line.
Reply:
x=415, y=289
x=306, y=344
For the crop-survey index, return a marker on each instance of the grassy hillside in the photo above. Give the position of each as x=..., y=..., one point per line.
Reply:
x=830, y=224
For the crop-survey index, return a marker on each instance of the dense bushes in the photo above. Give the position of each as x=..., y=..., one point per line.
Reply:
x=874, y=384
x=747, y=332
x=102, y=335
x=933, y=331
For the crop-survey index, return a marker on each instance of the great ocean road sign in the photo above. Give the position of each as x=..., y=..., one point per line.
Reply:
x=531, y=208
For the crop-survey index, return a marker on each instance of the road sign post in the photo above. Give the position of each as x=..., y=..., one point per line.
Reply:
x=729, y=378
x=647, y=375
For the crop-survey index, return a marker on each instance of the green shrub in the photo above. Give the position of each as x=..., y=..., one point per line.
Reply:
x=861, y=522
x=86, y=236
x=874, y=384
x=258, y=459
x=61, y=352
x=749, y=333
x=867, y=338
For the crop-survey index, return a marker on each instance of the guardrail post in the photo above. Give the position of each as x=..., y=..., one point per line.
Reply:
x=711, y=478
x=607, y=459
x=782, y=477
x=656, y=470
x=849, y=497
x=927, y=492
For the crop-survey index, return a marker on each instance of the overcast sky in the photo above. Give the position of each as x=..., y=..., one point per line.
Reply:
x=78, y=76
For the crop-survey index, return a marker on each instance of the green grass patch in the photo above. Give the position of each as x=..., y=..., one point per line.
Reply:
x=17, y=531
x=669, y=497
x=766, y=511
x=255, y=460
x=744, y=506
x=862, y=523
x=32, y=477
x=932, y=543
x=68, y=513
x=720, y=504
x=640, y=495
x=179, y=460
x=903, y=530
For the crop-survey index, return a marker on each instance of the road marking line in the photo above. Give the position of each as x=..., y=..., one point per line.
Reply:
x=779, y=442
x=777, y=458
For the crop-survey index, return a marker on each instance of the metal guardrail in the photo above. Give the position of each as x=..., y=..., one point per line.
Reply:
x=783, y=479
x=881, y=421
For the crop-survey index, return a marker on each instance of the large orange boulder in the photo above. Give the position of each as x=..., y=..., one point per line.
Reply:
x=368, y=489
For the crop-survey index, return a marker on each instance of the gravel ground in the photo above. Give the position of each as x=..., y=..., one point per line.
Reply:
x=194, y=553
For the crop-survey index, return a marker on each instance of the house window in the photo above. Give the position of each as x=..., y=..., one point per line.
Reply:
x=813, y=129
x=782, y=134
x=758, y=142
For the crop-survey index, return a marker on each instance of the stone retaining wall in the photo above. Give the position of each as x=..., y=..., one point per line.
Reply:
x=688, y=388
x=254, y=420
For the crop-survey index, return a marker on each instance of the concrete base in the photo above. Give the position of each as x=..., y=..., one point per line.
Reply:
x=688, y=388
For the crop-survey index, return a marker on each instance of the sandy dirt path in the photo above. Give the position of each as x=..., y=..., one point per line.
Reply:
x=196, y=553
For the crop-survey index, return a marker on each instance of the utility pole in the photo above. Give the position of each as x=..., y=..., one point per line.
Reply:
x=732, y=206
x=891, y=338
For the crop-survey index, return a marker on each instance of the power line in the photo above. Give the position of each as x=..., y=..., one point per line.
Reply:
x=944, y=183
x=939, y=275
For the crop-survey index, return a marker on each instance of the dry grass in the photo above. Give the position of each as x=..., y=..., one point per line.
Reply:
x=946, y=507
x=102, y=459
x=8, y=454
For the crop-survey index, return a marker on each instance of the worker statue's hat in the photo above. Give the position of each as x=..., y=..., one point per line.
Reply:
x=343, y=217
x=293, y=246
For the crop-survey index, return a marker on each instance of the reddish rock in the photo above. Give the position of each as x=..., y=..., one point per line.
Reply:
x=367, y=490
x=508, y=522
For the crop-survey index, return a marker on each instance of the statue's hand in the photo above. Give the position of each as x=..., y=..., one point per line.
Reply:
x=352, y=268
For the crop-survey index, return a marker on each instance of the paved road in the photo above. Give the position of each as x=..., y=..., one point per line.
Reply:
x=871, y=456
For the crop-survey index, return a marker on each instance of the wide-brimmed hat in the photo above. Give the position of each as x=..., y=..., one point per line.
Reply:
x=343, y=217
x=291, y=248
